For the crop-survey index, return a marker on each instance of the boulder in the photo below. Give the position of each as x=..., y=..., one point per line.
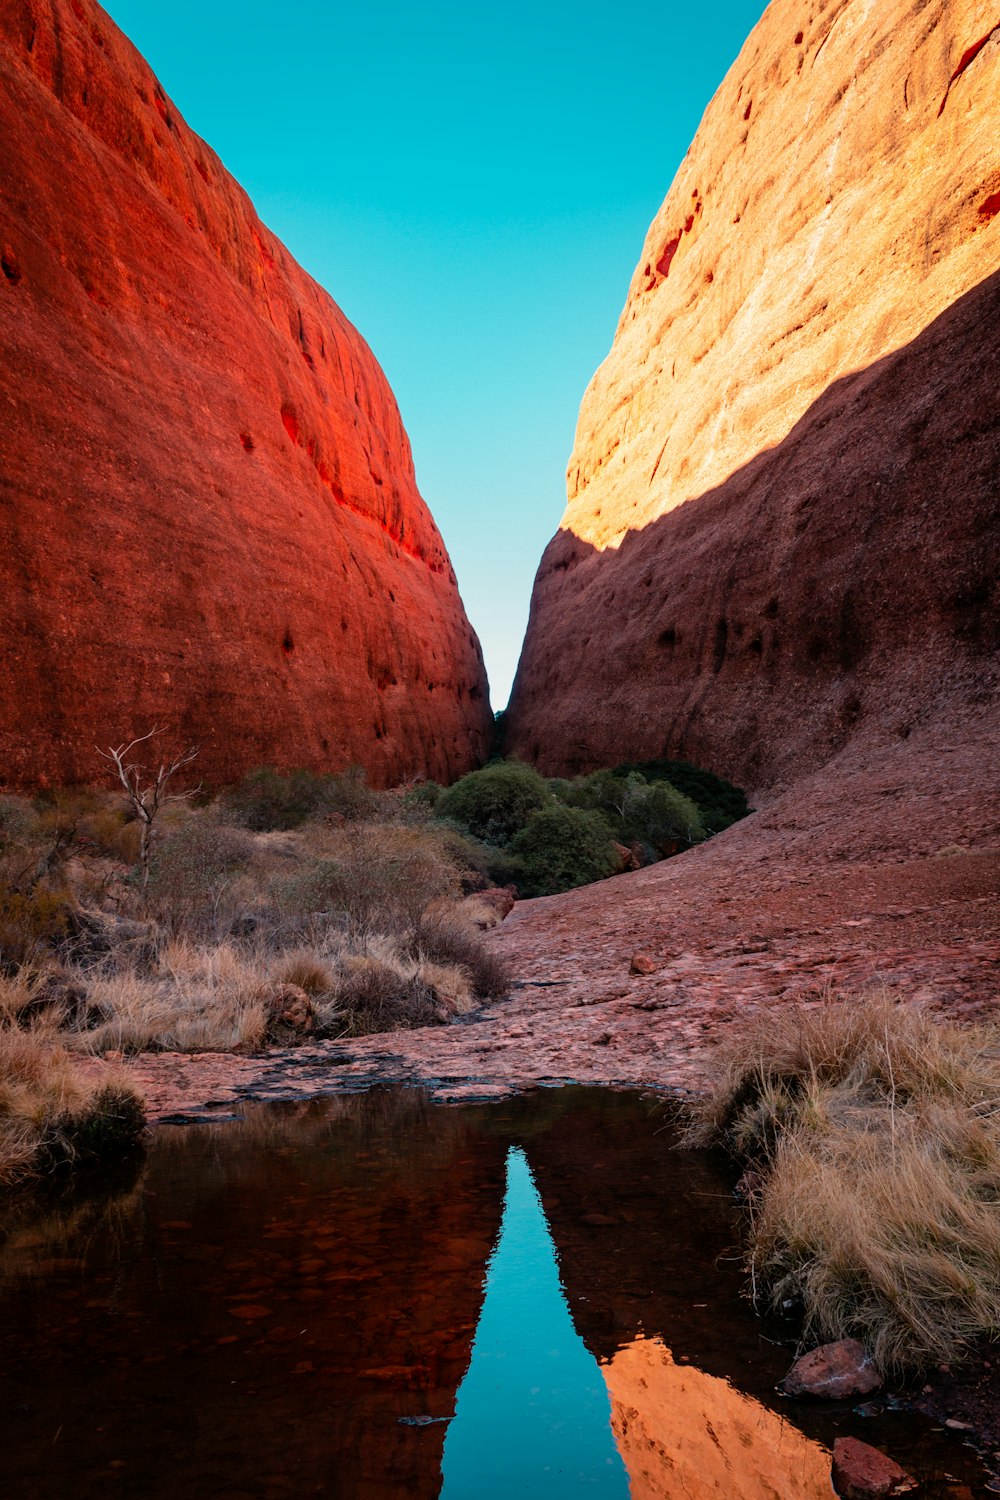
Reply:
x=643, y=963
x=833, y=1371
x=501, y=898
x=861, y=1472
x=291, y=1014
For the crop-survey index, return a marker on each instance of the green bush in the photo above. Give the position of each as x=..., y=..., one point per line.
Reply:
x=601, y=791
x=718, y=801
x=562, y=847
x=267, y=799
x=494, y=803
x=423, y=796
x=660, y=815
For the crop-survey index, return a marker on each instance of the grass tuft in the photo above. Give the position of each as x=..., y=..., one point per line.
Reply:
x=51, y=1111
x=875, y=1131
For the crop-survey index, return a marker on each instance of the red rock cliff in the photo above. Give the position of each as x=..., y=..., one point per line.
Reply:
x=781, y=532
x=209, y=508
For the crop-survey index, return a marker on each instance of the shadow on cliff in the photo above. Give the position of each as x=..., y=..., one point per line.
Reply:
x=844, y=579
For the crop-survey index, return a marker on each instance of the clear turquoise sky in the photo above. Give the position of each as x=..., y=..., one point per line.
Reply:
x=472, y=184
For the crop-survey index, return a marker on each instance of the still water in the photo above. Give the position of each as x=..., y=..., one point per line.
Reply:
x=371, y=1297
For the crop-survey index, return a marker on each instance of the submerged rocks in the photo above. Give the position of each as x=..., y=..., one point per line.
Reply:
x=209, y=506
x=833, y=1371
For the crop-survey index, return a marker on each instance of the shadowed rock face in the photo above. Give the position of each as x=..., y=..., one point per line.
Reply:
x=781, y=529
x=210, y=514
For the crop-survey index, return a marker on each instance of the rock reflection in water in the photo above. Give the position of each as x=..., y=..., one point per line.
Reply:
x=685, y=1435
x=290, y=1305
x=532, y=1415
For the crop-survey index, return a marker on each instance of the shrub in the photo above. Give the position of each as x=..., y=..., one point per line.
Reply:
x=50, y=1109
x=494, y=803
x=374, y=996
x=446, y=939
x=660, y=815
x=192, y=868
x=18, y=821
x=718, y=801
x=563, y=847
x=30, y=922
x=876, y=1134
x=602, y=791
x=382, y=879
x=110, y=1125
x=266, y=799
x=423, y=796
x=110, y=832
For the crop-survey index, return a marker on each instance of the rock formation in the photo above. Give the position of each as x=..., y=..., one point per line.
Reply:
x=210, y=515
x=782, y=531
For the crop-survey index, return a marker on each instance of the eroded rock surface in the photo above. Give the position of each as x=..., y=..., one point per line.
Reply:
x=781, y=533
x=210, y=514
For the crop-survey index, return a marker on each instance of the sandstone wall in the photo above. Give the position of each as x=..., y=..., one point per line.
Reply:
x=209, y=509
x=782, y=522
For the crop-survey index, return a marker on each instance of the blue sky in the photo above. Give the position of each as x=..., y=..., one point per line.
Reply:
x=472, y=184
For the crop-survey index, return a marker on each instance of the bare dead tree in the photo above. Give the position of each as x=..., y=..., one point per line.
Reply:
x=146, y=790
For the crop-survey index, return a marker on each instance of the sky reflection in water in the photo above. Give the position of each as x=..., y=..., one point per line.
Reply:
x=532, y=1415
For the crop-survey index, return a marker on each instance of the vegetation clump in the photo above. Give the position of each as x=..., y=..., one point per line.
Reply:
x=297, y=904
x=552, y=835
x=495, y=803
x=874, y=1135
x=51, y=1111
x=562, y=847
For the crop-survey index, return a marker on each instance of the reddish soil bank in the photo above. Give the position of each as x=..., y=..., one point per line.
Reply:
x=209, y=509
x=882, y=869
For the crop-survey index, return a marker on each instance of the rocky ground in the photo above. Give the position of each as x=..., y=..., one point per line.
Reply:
x=882, y=869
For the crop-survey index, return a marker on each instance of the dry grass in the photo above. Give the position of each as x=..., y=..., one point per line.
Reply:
x=450, y=937
x=49, y=1110
x=191, y=964
x=876, y=1131
x=196, y=999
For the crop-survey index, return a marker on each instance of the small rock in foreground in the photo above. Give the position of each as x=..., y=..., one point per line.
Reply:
x=642, y=963
x=863, y=1473
x=833, y=1371
x=290, y=1013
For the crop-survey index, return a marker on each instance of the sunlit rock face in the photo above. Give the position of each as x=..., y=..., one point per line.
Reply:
x=210, y=514
x=781, y=529
x=685, y=1435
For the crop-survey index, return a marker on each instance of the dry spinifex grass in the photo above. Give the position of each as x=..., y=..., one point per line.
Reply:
x=51, y=1110
x=876, y=1133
